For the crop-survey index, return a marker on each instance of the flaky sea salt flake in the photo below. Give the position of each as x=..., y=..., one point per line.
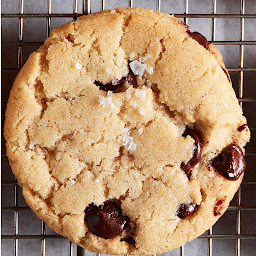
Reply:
x=134, y=104
x=128, y=143
x=109, y=70
x=150, y=70
x=139, y=93
x=128, y=93
x=31, y=146
x=142, y=59
x=142, y=111
x=115, y=82
x=78, y=65
x=106, y=102
x=132, y=55
x=126, y=131
x=140, y=131
x=137, y=67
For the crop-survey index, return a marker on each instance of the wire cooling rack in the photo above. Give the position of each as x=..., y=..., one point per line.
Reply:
x=230, y=25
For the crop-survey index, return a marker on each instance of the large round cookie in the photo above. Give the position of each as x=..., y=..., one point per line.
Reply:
x=125, y=133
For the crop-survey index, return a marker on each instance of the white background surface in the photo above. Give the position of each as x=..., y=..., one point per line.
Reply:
x=226, y=29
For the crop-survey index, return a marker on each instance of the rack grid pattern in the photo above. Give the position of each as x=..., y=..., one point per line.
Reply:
x=86, y=8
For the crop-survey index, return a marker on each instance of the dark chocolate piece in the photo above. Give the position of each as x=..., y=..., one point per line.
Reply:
x=242, y=127
x=230, y=163
x=129, y=240
x=114, y=84
x=227, y=74
x=196, y=154
x=199, y=38
x=105, y=220
x=218, y=206
x=187, y=210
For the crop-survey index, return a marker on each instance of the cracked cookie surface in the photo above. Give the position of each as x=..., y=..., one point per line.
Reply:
x=116, y=122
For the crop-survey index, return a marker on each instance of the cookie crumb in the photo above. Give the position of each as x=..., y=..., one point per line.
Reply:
x=137, y=67
x=78, y=65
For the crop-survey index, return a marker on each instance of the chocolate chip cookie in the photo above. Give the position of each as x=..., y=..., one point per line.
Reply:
x=125, y=133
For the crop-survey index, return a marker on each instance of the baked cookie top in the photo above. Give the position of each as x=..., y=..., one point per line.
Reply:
x=125, y=133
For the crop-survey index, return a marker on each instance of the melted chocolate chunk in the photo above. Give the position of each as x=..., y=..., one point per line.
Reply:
x=187, y=210
x=227, y=74
x=196, y=154
x=199, y=38
x=106, y=220
x=129, y=240
x=216, y=212
x=230, y=163
x=242, y=127
x=218, y=206
x=114, y=84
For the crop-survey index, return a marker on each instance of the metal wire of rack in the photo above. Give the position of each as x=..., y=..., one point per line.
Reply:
x=247, y=96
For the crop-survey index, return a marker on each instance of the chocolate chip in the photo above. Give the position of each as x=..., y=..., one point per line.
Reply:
x=196, y=154
x=187, y=210
x=129, y=240
x=218, y=206
x=199, y=38
x=216, y=212
x=114, y=84
x=227, y=74
x=230, y=163
x=105, y=220
x=242, y=127
x=70, y=38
